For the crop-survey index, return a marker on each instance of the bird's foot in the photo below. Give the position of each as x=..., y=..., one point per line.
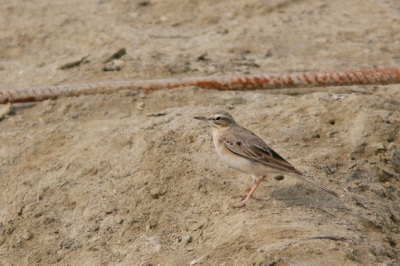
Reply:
x=244, y=196
x=243, y=205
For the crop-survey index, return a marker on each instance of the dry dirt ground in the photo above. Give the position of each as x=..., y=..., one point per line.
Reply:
x=132, y=179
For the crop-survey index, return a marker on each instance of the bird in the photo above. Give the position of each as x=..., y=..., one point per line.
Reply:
x=243, y=150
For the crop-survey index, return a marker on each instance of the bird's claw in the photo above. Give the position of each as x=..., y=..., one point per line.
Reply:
x=244, y=196
x=243, y=205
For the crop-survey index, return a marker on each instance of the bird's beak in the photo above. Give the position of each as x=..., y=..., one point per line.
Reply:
x=202, y=118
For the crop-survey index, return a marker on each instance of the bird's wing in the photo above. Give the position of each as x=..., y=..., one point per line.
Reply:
x=248, y=145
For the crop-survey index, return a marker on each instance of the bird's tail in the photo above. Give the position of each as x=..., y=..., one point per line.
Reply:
x=333, y=193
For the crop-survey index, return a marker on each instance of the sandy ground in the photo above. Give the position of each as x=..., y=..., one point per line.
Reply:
x=132, y=179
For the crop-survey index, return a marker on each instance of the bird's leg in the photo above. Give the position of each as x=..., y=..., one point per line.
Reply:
x=250, y=194
x=255, y=179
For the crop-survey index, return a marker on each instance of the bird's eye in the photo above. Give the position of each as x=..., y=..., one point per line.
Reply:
x=218, y=118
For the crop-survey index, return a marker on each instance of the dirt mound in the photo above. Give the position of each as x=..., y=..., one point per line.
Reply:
x=128, y=185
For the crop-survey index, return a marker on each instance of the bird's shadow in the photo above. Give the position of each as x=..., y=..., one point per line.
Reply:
x=301, y=196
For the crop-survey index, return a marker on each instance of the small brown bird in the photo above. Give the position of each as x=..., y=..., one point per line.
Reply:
x=243, y=150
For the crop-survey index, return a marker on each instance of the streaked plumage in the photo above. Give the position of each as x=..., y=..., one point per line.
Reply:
x=243, y=150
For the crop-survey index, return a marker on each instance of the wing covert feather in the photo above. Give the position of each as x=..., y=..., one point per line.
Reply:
x=248, y=145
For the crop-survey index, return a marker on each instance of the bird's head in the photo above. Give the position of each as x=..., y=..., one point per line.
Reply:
x=220, y=119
